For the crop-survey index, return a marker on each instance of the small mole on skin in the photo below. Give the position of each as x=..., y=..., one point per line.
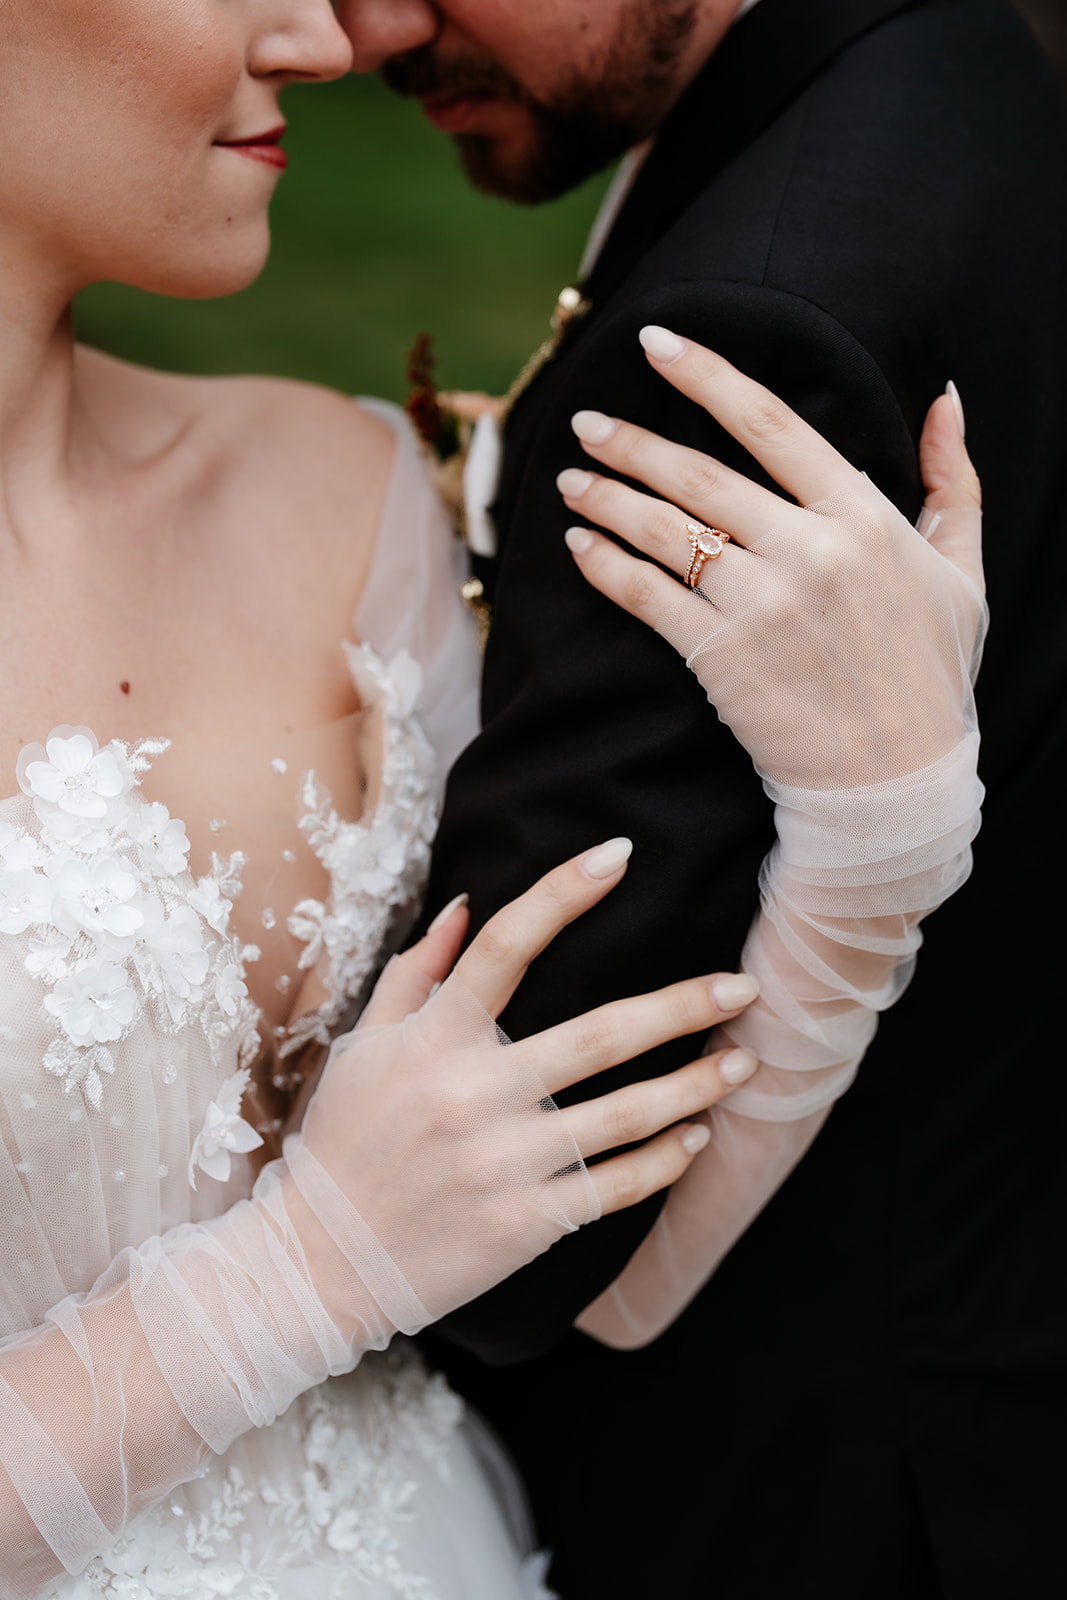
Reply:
x=125, y=686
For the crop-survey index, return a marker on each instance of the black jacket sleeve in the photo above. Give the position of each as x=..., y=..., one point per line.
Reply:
x=593, y=727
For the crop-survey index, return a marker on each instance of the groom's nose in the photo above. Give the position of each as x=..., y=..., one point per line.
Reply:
x=379, y=29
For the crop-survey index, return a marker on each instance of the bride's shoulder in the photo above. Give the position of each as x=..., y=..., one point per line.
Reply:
x=272, y=432
x=279, y=452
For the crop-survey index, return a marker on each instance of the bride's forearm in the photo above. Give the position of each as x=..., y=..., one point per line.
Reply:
x=833, y=946
x=706, y=1213
x=178, y=1348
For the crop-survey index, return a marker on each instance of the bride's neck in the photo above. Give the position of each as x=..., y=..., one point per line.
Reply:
x=38, y=400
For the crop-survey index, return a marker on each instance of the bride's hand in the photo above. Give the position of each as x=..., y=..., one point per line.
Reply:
x=839, y=642
x=444, y=1139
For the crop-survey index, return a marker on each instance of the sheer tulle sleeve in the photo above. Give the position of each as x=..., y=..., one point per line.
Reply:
x=464, y=1171
x=411, y=601
x=877, y=800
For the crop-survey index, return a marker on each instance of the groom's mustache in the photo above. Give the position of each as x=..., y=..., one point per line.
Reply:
x=421, y=75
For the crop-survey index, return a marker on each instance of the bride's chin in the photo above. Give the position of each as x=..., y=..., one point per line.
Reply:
x=211, y=272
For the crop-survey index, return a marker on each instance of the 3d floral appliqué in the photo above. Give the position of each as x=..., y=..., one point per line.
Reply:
x=225, y=1133
x=118, y=928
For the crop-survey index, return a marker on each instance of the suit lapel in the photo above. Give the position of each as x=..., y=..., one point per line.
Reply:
x=763, y=63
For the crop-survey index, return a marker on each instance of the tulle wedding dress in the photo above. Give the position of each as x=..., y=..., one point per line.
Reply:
x=127, y=1036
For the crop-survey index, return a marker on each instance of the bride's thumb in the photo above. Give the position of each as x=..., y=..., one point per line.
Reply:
x=952, y=510
x=408, y=980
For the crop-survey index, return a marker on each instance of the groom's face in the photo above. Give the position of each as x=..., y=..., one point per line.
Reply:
x=537, y=93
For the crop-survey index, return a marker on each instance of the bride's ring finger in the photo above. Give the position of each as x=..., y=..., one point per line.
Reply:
x=643, y=1109
x=678, y=541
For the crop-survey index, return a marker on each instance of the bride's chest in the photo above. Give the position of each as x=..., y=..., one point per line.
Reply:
x=310, y=828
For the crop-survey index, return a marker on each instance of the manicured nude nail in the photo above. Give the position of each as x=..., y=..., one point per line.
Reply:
x=734, y=990
x=593, y=427
x=578, y=540
x=954, y=395
x=738, y=1067
x=443, y=916
x=606, y=859
x=574, y=481
x=661, y=344
x=695, y=1138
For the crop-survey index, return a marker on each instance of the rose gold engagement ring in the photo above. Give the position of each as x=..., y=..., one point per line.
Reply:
x=708, y=545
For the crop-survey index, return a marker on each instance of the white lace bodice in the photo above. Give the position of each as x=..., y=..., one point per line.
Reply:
x=127, y=1034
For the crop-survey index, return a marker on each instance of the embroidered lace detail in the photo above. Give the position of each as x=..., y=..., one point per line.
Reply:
x=378, y=865
x=331, y=1485
x=97, y=884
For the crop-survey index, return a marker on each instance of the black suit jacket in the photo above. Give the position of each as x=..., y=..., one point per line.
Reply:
x=855, y=201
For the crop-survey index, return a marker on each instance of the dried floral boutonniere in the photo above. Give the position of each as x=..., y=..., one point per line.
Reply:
x=447, y=423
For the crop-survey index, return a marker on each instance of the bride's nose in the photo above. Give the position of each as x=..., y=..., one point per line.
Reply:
x=300, y=39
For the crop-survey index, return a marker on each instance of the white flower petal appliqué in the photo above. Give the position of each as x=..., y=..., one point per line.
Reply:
x=95, y=1004
x=224, y=1133
x=25, y=899
x=76, y=775
x=98, y=896
x=114, y=926
x=377, y=865
x=330, y=1501
x=162, y=839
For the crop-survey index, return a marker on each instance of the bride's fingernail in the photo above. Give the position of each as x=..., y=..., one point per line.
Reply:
x=606, y=859
x=734, y=990
x=661, y=344
x=737, y=1067
x=695, y=1138
x=578, y=540
x=593, y=427
x=574, y=481
x=954, y=395
x=443, y=916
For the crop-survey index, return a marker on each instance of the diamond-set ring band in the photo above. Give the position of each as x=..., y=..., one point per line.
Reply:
x=707, y=545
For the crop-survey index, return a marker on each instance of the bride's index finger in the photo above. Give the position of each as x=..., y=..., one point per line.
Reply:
x=496, y=960
x=797, y=458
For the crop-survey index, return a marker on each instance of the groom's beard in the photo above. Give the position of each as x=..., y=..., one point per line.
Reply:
x=591, y=120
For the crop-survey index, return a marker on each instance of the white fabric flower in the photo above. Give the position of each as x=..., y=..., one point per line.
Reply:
x=372, y=860
x=171, y=959
x=212, y=904
x=162, y=838
x=230, y=989
x=224, y=1132
x=406, y=675
x=25, y=899
x=18, y=852
x=76, y=775
x=93, y=1005
x=48, y=957
x=98, y=896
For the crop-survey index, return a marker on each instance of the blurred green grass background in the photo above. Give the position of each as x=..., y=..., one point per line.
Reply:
x=378, y=237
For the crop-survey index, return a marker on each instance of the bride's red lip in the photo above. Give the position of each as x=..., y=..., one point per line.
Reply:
x=265, y=147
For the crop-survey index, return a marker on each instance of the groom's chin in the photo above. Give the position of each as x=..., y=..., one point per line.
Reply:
x=539, y=159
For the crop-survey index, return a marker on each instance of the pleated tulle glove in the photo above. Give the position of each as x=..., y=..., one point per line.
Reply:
x=871, y=764
x=840, y=644
x=431, y=1165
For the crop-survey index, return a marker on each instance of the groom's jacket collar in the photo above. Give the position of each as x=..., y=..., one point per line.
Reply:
x=765, y=60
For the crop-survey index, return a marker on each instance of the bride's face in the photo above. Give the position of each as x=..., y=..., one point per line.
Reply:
x=124, y=128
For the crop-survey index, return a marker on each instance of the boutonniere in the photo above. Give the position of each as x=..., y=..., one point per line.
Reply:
x=462, y=432
x=461, y=445
x=448, y=424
